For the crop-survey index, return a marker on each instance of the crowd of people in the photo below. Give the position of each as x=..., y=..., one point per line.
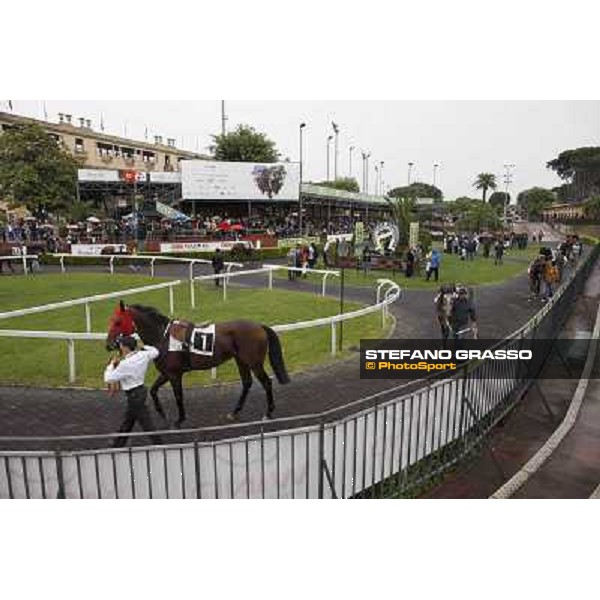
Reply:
x=547, y=270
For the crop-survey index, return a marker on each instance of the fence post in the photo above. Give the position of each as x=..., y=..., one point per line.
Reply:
x=88, y=318
x=213, y=373
x=24, y=257
x=324, y=284
x=152, y=261
x=225, y=287
x=191, y=271
x=321, y=459
x=333, y=338
x=71, y=353
x=192, y=294
x=171, y=301
x=62, y=264
x=270, y=279
x=60, y=493
x=112, y=265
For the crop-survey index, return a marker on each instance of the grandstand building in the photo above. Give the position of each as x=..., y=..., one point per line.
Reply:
x=117, y=170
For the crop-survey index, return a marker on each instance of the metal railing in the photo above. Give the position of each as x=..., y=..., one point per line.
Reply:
x=141, y=257
x=23, y=258
x=386, y=449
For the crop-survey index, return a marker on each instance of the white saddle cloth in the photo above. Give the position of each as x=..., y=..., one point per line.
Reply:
x=202, y=342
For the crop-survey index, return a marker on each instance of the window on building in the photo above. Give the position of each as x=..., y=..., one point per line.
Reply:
x=79, y=145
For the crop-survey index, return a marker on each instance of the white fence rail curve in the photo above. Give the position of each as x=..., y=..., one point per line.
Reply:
x=392, y=294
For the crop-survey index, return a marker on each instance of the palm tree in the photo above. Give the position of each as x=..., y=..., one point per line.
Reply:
x=485, y=182
x=402, y=210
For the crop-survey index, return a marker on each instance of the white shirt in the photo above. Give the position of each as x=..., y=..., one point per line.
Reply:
x=131, y=371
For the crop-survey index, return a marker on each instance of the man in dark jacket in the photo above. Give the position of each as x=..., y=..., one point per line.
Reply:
x=218, y=265
x=462, y=315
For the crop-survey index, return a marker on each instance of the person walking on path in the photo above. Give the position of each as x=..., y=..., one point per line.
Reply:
x=499, y=252
x=462, y=315
x=218, y=264
x=434, y=265
x=130, y=372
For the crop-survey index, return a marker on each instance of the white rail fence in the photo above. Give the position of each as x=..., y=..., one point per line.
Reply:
x=266, y=269
x=140, y=257
x=387, y=292
x=23, y=258
x=89, y=300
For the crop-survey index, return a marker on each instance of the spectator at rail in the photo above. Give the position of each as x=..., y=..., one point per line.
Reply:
x=313, y=255
x=218, y=265
x=434, y=265
x=498, y=252
x=536, y=271
x=550, y=278
x=291, y=261
x=410, y=262
x=366, y=258
x=303, y=260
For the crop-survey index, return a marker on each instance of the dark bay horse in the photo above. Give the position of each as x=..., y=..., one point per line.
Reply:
x=246, y=342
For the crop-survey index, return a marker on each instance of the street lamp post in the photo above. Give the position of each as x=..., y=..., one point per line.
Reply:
x=435, y=168
x=507, y=182
x=350, y=165
x=329, y=138
x=367, y=172
x=336, y=131
x=376, y=179
x=381, y=178
x=410, y=166
x=302, y=126
x=342, y=253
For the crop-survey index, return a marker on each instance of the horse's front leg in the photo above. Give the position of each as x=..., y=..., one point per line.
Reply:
x=177, y=386
x=161, y=380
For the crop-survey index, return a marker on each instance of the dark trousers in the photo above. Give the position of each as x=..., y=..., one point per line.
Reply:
x=217, y=280
x=137, y=411
x=435, y=270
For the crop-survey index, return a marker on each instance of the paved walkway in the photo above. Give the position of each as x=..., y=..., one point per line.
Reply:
x=573, y=471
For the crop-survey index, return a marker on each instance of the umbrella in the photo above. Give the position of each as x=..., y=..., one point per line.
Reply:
x=237, y=227
x=224, y=226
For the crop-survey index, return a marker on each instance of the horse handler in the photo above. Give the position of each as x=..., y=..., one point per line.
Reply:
x=130, y=371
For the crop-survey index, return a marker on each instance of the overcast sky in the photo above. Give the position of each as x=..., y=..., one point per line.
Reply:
x=465, y=137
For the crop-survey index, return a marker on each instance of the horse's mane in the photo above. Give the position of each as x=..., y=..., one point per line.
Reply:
x=151, y=312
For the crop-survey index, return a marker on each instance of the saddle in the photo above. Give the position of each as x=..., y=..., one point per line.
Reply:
x=195, y=338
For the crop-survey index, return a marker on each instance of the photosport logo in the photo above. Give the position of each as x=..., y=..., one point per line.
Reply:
x=481, y=358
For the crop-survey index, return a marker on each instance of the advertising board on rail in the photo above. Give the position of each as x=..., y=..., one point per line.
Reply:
x=216, y=180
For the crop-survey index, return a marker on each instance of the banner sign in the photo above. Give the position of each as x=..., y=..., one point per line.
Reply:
x=97, y=175
x=96, y=249
x=216, y=180
x=201, y=246
x=291, y=242
x=413, y=236
x=170, y=212
x=166, y=177
x=133, y=176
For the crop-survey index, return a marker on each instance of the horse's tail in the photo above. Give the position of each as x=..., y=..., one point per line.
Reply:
x=276, y=356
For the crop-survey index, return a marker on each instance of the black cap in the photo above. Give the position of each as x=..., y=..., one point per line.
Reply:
x=128, y=341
